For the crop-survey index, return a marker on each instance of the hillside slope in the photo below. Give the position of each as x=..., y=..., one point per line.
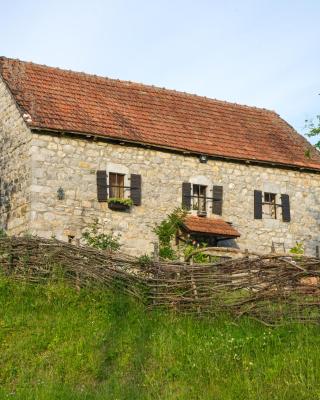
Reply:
x=56, y=343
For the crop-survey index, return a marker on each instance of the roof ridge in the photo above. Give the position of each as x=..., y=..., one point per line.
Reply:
x=139, y=84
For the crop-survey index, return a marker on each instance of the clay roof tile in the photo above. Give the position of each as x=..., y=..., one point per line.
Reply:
x=212, y=226
x=71, y=101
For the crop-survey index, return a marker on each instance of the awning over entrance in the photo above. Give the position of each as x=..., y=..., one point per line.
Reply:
x=210, y=226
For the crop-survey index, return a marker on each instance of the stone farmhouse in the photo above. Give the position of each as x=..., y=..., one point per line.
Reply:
x=70, y=142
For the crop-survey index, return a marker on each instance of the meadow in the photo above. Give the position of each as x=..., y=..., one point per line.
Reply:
x=59, y=343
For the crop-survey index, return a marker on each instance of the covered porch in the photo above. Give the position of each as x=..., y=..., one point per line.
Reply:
x=211, y=231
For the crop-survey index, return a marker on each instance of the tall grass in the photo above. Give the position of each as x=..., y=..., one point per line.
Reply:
x=57, y=343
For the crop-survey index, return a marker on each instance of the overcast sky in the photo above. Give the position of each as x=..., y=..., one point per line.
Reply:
x=262, y=53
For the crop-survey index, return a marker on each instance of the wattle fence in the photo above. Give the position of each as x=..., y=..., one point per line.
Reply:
x=271, y=288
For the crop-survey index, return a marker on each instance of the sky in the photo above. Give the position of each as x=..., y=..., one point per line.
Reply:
x=254, y=52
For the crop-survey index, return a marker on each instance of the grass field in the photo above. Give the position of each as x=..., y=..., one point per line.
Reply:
x=56, y=343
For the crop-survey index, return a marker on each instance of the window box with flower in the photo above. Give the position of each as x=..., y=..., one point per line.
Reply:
x=119, y=204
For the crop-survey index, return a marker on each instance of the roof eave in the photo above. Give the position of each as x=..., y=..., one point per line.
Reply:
x=213, y=234
x=229, y=236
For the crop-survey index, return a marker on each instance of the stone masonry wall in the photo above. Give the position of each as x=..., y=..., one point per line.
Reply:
x=15, y=166
x=71, y=163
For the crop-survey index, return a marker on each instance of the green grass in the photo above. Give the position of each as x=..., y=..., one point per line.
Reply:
x=56, y=343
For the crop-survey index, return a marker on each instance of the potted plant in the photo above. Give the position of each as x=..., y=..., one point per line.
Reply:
x=119, y=204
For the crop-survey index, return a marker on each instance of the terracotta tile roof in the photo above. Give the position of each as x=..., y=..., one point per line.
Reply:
x=69, y=101
x=213, y=226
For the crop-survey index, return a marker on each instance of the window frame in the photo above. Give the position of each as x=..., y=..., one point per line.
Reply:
x=199, y=197
x=117, y=188
x=270, y=199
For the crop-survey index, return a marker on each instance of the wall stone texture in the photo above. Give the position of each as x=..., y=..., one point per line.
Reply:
x=15, y=166
x=72, y=162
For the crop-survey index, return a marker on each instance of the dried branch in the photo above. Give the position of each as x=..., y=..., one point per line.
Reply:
x=270, y=288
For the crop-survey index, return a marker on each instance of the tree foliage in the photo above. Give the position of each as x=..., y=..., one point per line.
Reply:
x=314, y=129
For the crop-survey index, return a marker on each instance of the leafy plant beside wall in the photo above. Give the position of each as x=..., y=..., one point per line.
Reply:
x=166, y=231
x=145, y=261
x=2, y=233
x=297, y=249
x=198, y=258
x=95, y=237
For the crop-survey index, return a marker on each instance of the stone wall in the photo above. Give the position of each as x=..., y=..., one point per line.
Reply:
x=71, y=163
x=15, y=166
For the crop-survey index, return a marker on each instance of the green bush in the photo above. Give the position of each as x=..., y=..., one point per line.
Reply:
x=167, y=252
x=166, y=232
x=94, y=237
x=297, y=249
x=2, y=233
x=145, y=261
x=198, y=258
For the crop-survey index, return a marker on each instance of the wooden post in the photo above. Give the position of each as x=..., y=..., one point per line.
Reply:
x=156, y=251
x=155, y=260
x=273, y=249
x=78, y=285
x=194, y=287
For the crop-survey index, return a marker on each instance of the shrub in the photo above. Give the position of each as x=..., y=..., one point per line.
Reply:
x=2, y=233
x=199, y=258
x=167, y=252
x=166, y=231
x=94, y=237
x=144, y=261
x=297, y=249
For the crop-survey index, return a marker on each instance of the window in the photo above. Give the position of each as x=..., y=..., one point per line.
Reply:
x=116, y=185
x=199, y=197
x=270, y=206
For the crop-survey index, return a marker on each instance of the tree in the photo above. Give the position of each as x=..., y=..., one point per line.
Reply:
x=314, y=129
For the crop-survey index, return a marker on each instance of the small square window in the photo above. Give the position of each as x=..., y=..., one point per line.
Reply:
x=116, y=185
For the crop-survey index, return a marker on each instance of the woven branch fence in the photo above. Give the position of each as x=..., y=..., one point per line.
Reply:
x=271, y=288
